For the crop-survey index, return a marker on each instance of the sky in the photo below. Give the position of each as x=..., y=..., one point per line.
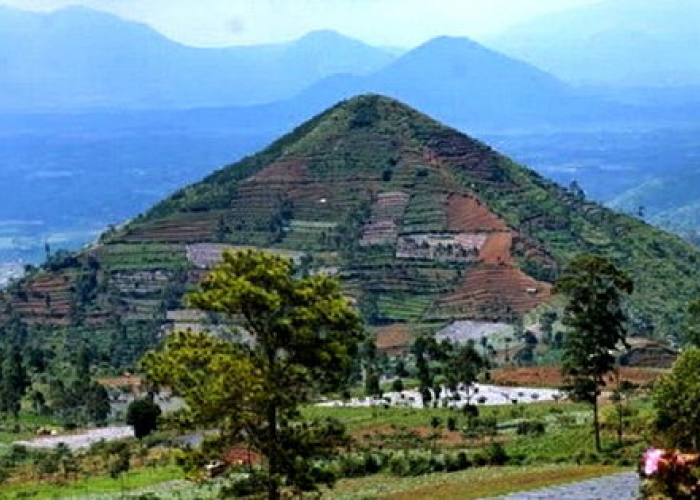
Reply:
x=400, y=23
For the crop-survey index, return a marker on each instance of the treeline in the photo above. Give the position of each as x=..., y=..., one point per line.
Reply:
x=34, y=379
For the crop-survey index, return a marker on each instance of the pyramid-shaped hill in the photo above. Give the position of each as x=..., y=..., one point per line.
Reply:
x=423, y=225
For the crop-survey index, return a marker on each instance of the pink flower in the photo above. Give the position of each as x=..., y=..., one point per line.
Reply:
x=651, y=458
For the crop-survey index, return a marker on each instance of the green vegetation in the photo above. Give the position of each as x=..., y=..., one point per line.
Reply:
x=143, y=415
x=304, y=336
x=596, y=325
x=315, y=191
x=96, y=485
x=340, y=194
x=677, y=402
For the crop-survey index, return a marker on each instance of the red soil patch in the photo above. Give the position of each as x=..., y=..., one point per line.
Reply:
x=393, y=339
x=284, y=172
x=497, y=249
x=465, y=213
x=550, y=376
x=242, y=456
x=495, y=292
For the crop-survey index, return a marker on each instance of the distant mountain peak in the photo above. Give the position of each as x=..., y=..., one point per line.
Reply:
x=323, y=35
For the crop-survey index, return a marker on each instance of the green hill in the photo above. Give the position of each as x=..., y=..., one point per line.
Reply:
x=423, y=224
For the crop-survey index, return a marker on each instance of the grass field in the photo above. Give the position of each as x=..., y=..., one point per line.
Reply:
x=358, y=419
x=99, y=485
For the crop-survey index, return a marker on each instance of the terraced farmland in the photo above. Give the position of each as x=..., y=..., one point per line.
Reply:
x=423, y=225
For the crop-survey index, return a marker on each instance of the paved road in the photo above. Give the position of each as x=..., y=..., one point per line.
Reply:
x=618, y=487
x=82, y=439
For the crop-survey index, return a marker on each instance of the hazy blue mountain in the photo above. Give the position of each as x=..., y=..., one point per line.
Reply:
x=465, y=83
x=619, y=42
x=78, y=58
x=672, y=202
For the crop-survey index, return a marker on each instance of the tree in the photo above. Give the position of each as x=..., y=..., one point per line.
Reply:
x=463, y=366
x=372, y=386
x=692, y=330
x=14, y=383
x=304, y=335
x=677, y=400
x=596, y=325
x=547, y=324
x=97, y=405
x=143, y=415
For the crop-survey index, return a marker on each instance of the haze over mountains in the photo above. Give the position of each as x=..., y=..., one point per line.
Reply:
x=462, y=81
x=614, y=42
x=77, y=59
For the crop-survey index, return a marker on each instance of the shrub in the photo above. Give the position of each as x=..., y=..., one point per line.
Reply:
x=496, y=454
x=419, y=464
x=352, y=465
x=480, y=460
x=470, y=411
x=529, y=427
x=247, y=485
x=399, y=466
x=373, y=463
x=452, y=424
x=143, y=415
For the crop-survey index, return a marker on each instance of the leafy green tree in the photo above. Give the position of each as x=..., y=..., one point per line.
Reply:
x=463, y=366
x=677, y=400
x=372, y=386
x=143, y=415
x=96, y=404
x=304, y=336
x=39, y=403
x=14, y=383
x=692, y=330
x=596, y=323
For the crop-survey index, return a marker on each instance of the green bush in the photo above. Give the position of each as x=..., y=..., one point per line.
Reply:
x=419, y=464
x=373, y=463
x=352, y=465
x=398, y=465
x=496, y=454
x=452, y=424
x=246, y=485
x=531, y=428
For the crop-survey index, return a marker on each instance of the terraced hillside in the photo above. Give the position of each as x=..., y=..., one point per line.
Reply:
x=424, y=225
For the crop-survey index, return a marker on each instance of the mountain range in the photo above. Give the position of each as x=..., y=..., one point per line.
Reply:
x=463, y=82
x=423, y=225
x=622, y=43
x=77, y=59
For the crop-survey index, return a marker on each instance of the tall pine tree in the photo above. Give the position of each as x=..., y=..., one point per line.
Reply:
x=596, y=326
